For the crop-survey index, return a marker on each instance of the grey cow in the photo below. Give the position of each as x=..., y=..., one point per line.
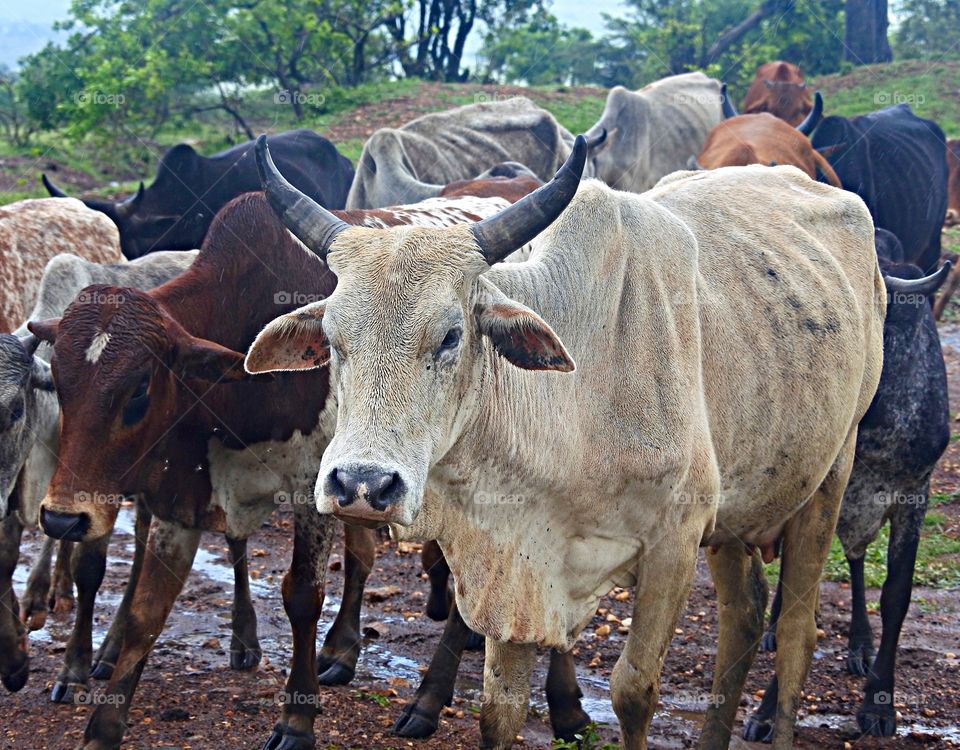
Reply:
x=28, y=453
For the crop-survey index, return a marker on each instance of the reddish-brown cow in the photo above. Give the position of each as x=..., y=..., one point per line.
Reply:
x=172, y=414
x=779, y=88
x=953, y=183
x=763, y=139
x=510, y=188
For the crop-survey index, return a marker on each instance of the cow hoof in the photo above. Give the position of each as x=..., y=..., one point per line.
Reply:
x=65, y=692
x=768, y=643
x=336, y=673
x=415, y=724
x=244, y=660
x=33, y=617
x=284, y=738
x=757, y=730
x=878, y=721
x=101, y=670
x=18, y=677
x=276, y=736
x=859, y=660
x=475, y=642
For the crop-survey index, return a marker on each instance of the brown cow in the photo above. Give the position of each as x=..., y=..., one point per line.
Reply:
x=158, y=377
x=779, y=88
x=953, y=184
x=764, y=139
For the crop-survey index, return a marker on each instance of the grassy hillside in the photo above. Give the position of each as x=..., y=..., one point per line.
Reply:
x=931, y=89
x=349, y=117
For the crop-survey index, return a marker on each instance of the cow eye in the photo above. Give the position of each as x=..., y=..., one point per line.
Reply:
x=136, y=407
x=450, y=341
x=16, y=412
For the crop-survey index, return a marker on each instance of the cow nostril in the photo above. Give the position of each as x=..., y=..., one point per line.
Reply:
x=71, y=527
x=379, y=489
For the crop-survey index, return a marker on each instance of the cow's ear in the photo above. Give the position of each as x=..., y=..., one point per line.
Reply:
x=45, y=330
x=294, y=341
x=520, y=335
x=199, y=359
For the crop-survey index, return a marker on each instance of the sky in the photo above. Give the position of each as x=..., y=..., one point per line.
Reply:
x=25, y=26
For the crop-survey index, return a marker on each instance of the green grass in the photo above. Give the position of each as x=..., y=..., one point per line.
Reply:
x=929, y=88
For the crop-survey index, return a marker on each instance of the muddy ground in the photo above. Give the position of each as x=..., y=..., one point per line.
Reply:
x=189, y=698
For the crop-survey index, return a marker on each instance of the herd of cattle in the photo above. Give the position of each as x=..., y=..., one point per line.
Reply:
x=711, y=326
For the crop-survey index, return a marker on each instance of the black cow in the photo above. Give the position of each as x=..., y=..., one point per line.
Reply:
x=175, y=212
x=900, y=440
x=897, y=163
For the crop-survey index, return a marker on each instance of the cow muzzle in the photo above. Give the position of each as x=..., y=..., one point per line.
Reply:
x=365, y=494
x=70, y=527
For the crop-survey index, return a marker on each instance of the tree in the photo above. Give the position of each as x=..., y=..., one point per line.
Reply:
x=15, y=123
x=865, y=36
x=928, y=29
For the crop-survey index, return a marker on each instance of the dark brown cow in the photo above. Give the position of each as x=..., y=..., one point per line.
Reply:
x=764, y=139
x=779, y=88
x=953, y=184
x=171, y=410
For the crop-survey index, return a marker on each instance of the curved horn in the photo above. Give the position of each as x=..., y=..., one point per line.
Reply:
x=54, y=191
x=514, y=226
x=127, y=207
x=310, y=222
x=728, y=109
x=927, y=285
x=29, y=341
x=813, y=118
x=597, y=140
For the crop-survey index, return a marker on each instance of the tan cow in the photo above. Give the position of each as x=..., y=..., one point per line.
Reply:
x=654, y=131
x=31, y=233
x=953, y=183
x=669, y=371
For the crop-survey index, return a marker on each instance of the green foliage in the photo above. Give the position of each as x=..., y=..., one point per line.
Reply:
x=928, y=30
x=587, y=739
x=541, y=51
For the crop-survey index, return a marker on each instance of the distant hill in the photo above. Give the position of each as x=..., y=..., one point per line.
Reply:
x=19, y=38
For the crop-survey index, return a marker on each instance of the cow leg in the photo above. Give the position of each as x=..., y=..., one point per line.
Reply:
x=88, y=562
x=806, y=543
x=877, y=716
x=245, y=650
x=567, y=716
x=61, y=598
x=303, y=602
x=666, y=577
x=436, y=568
x=166, y=565
x=337, y=662
x=741, y=603
x=14, y=662
x=860, y=655
x=506, y=692
x=106, y=657
x=420, y=717
x=33, y=603
x=768, y=643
